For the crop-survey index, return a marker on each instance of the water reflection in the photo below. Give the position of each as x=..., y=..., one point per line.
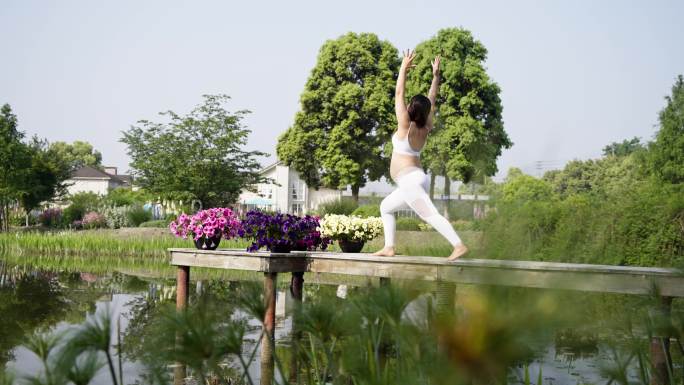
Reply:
x=32, y=299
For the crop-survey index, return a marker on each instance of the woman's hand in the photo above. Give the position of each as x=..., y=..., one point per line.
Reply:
x=435, y=65
x=407, y=61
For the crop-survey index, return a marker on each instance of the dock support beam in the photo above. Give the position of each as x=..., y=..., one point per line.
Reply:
x=661, y=360
x=296, y=289
x=182, y=283
x=268, y=336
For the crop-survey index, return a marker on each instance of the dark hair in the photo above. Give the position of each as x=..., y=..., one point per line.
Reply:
x=418, y=110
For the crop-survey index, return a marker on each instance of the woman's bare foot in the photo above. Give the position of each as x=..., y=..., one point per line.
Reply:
x=385, y=252
x=458, y=251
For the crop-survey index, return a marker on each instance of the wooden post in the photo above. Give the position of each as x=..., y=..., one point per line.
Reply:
x=296, y=287
x=661, y=360
x=268, y=338
x=182, y=283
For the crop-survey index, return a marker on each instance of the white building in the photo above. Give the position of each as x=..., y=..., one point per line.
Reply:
x=91, y=179
x=288, y=193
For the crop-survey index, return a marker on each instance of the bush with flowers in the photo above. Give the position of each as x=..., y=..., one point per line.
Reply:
x=280, y=232
x=211, y=223
x=350, y=228
x=93, y=220
x=51, y=217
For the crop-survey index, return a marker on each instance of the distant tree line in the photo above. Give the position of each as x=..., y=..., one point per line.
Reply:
x=34, y=171
x=625, y=208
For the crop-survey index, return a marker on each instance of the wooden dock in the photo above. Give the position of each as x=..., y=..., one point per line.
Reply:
x=668, y=283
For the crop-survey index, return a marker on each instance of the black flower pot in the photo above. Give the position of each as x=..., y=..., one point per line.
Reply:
x=208, y=243
x=351, y=246
x=281, y=248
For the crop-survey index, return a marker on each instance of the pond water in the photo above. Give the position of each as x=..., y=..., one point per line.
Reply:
x=32, y=300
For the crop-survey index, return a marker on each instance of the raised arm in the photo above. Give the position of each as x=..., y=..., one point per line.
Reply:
x=434, y=88
x=399, y=92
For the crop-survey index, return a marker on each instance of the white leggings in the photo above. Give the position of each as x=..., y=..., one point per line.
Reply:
x=411, y=193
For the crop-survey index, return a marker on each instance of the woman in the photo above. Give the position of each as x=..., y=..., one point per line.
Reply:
x=415, y=122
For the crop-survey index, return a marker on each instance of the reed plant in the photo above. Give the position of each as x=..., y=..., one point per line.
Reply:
x=95, y=243
x=377, y=335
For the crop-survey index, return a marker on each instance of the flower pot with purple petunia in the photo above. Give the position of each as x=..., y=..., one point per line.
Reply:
x=207, y=227
x=281, y=233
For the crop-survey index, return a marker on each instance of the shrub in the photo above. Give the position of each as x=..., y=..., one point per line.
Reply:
x=409, y=224
x=425, y=227
x=81, y=203
x=116, y=217
x=18, y=219
x=138, y=215
x=93, y=220
x=125, y=196
x=365, y=211
x=338, y=207
x=51, y=217
x=461, y=225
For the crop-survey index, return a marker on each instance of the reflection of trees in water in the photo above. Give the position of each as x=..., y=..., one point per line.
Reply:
x=28, y=300
x=32, y=299
x=146, y=314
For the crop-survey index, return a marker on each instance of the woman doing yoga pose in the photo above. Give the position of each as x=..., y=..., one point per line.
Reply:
x=415, y=123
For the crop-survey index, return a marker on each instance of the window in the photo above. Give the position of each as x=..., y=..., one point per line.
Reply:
x=297, y=190
x=297, y=209
x=265, y=191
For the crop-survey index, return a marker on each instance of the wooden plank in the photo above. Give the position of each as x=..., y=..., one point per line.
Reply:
x=548, y=275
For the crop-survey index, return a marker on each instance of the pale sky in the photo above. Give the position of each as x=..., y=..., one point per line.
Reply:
x=575, y=75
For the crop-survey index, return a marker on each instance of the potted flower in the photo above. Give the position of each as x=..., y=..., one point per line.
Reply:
x=281, y=233
x=351, y=232
x=312, y=239
x=207, y=227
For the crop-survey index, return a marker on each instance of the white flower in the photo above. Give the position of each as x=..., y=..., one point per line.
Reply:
x=350, y=227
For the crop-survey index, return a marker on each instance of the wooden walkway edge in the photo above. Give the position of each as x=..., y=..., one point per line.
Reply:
x=543, y=275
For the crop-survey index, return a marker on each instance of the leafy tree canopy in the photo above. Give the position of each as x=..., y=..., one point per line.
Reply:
x=347, y=114
x=77, y=154
x=469, y=133
x=46, y=176
x=624, y=148
x=196, y=156
x=521, y=187
x=667, y=151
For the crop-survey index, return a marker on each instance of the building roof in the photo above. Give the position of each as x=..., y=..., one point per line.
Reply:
x=89, y=172
x=270, y=166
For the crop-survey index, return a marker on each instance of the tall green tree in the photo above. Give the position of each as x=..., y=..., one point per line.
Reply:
x=196, y=156
x=623, y=148
x=15, y=160
x=347, y=114
x=469, y=133
x=45, y=178
x=667, y=150
x=77, y=154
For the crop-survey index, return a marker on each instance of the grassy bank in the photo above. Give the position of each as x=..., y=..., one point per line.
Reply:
x=151, y=244
x=143, y=251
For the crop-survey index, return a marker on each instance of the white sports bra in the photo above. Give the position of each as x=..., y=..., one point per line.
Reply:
x=402, y=146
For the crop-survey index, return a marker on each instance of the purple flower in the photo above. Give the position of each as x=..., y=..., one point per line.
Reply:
x=269, y=230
